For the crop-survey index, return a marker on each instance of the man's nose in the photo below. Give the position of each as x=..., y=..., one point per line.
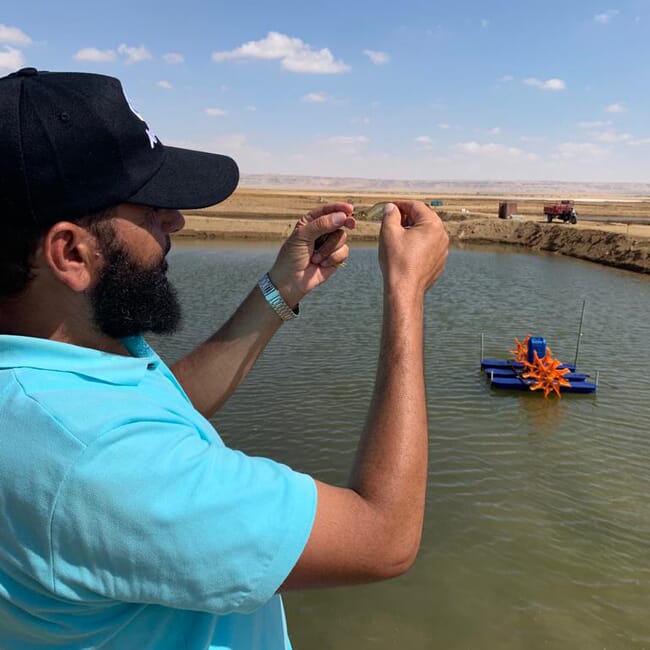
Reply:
x=171, y=220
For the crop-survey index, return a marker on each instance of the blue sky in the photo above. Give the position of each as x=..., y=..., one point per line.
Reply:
x=411, y=90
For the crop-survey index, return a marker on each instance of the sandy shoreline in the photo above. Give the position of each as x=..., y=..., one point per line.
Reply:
x=609, y=231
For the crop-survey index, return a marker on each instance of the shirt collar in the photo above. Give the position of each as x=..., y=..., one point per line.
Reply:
x=43, y=354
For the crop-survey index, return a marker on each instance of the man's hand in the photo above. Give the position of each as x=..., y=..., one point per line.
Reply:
x=412, y=247
x=212, y=372
x=300, y=267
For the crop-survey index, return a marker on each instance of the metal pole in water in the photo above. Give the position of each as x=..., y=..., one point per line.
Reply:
x=597, y=377
x=481, y=346
x=582, y=317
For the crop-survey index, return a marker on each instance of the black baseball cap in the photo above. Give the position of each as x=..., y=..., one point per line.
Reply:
x=71, y=144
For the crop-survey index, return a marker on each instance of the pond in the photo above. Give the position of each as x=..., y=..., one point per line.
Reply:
x=537, y=526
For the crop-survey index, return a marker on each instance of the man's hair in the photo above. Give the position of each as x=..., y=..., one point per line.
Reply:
x=19, y=244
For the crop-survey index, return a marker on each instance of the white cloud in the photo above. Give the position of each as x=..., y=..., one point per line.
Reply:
x=314, y=98
x=95, y=55
x=165, y=84
x=11, y=59
x=174, y=58
x=250, y=109
x=493, y=149
x=606, y=17
x=443, y=126
x=293, y=53
x=215, y=112
x=13, y=35
x=549, y=84
x=640, y=142
x=134, y=54
x=130, y=54
x=425, y=141
x=593, y=125
x=612, y=136
x=349, y=144
x=615, y=108
x=580, y=150
x=484, y=22
x=495, y=131
x=554, y=84
x=378, y=58
x=506, y=78
x=349, y=139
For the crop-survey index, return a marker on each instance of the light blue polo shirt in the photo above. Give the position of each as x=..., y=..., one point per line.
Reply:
x=126, y=523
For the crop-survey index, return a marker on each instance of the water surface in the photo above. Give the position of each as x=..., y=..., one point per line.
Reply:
x=538, y=517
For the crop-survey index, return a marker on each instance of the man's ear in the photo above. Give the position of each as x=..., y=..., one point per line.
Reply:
x=71, y=254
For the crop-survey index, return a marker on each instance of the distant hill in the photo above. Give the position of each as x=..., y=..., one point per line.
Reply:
x=501, y=188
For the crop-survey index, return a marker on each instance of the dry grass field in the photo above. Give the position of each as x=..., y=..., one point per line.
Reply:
x=610, y=230
x=249, y=203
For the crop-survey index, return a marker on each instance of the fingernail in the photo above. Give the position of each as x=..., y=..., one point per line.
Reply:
x=338, y=218
x=388, y=208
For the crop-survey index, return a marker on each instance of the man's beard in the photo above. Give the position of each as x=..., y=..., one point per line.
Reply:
x=129, y=298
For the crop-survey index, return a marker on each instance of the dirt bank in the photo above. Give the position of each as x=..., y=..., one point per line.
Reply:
x=595, y=245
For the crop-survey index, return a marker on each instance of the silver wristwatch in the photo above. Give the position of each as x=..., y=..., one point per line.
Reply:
x=273, y=297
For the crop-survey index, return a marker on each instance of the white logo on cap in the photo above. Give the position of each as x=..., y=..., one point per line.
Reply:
x=153, y=138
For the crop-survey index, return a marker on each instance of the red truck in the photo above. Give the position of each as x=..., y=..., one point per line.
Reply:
x=564, y=210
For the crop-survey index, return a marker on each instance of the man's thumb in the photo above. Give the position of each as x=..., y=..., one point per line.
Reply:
x=323, y=225
x=392, y=216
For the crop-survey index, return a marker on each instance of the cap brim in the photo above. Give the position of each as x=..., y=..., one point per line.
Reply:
x=189, y=179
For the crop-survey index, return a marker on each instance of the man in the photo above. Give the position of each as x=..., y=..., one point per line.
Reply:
x=126, y=521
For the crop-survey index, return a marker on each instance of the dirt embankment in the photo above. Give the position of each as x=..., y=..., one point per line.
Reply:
x=595, y=245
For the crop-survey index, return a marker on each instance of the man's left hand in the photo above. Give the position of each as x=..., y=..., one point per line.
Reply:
x=300, y=267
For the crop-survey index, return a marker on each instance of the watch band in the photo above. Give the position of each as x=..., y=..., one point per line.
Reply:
x=273, y=297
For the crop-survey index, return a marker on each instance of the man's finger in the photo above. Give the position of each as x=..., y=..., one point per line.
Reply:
x=414, y=212
x=313, y=230
x=337, y=258
x=318, y=212
x=325, y=245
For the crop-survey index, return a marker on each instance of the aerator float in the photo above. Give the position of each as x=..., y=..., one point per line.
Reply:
x=535, y=368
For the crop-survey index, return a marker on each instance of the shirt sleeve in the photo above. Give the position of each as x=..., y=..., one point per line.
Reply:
x=154, y=513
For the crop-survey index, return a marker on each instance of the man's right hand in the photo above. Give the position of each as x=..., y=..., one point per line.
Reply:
x=412, y=247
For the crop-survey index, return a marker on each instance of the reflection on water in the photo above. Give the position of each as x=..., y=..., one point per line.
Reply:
x=538, y=517
x=542, y=416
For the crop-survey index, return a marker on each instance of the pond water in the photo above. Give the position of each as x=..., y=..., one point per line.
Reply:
x=538, y=517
